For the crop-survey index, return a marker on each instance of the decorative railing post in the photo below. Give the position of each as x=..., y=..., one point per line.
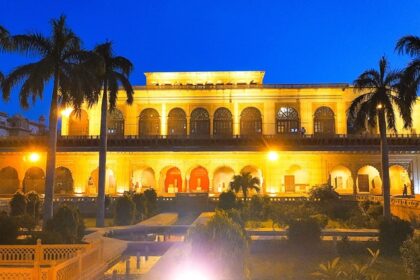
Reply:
x=38, y=251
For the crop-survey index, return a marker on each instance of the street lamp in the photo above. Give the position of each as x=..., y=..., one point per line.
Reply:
x=273, y=156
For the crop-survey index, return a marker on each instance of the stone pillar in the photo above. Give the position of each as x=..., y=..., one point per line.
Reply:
x=269, y=118
x=163, y=120
x=236, y=119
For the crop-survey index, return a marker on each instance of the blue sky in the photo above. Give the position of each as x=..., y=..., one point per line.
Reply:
x=293, y=41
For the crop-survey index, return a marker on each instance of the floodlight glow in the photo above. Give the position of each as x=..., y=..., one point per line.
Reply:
x=66, y=112
x=193, y=272
x=34, y=157
x=272, y=155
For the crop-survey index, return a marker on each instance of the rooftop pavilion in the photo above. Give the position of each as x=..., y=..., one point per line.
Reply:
x=204, y=78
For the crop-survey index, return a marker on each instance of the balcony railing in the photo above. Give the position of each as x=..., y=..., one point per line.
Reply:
x=336, y=142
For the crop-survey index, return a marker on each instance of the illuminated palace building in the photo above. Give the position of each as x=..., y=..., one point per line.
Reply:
x=192, y=131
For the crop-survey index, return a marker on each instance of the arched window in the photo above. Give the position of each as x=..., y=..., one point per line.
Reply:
x=222, y=122
x=79, y=123
x=115, y=123
x=200, y=122
x=251, y=121
x=287, y=121
x=324, y=122
x=149, y=122
x=177, y=122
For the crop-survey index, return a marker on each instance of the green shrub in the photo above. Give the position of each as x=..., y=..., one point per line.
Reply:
x=151, y=201
x=66, y=226
x=321, y=219
x=259, y=207
x=304, y=233
x=410, y=253
x=18, y=204
x=8, y=229
x=124, y=211
x=33, y=205
x=392, y=233
x=227, y=200
x=323, y=193
x=139, y=200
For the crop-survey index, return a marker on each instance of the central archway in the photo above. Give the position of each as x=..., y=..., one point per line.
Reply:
x=79, y=123
x=110, y=182
x=369, y=180
x=9, y=180
x=221, y=178
x=341, y=179
x=173, y=180
x=34, y=180
x=199, y=180
x=399, y=178
x=63, y=181
x=143, y=177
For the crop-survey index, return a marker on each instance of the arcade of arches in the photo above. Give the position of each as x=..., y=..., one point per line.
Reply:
x=172, y=172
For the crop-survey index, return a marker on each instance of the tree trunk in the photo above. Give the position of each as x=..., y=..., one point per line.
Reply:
x=100, y=214
x=51, y=154
x=385, y=165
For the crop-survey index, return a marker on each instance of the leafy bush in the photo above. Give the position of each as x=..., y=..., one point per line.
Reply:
x=227, y=200
x=333, y=270
x=151, y=201
x=410, y=252
x=321, y=219
x=221, y=244
x=8, y=229
x=392, y=233
x=259, y=207
x=18, y=204
x=33, y=205
x=124, y=211
x=66, y=226
x=304, y=233
x=139, y=200
x=323, y=193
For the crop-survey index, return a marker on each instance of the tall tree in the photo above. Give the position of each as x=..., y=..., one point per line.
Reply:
x=411, y=76
x=380, y=92
x=116, y=72
x=244, y=182
x=64, y=63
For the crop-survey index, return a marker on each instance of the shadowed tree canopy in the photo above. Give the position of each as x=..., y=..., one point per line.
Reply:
x=116, y=72
x=72, y=71
x=244, y=182
x=381, y=89
x=411, y=75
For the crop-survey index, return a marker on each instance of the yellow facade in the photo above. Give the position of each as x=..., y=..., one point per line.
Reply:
x=287, y=173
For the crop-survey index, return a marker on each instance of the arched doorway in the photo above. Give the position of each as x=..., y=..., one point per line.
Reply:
x=63, y=181
x=173, y=180
x=199, y=180
x=296, y=179
x=143, y=177
x=399, y=177
x=110, y=182
x=341, y=179
x=149, y=122
x=324, y=121
x=251, y=121
x=79, y=123
x=222, y=122
x=177, y=122
x=221, y=179
x=287, y=121
x=369, y=180
x=199, y=123
x=9, y=180
x=34, y=180
x=115, y=123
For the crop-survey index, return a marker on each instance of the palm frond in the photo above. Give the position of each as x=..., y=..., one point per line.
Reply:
x=368, y=79
x=122, y=64
x=409, y=44
x=34, y=44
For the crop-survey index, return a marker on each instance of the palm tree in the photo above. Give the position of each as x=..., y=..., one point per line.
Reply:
x=62, y=61
x=380, y=94
x=116, y=72
x=244, y=182
x=411, y=78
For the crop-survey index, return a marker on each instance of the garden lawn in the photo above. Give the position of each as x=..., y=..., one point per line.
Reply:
x=276, y=261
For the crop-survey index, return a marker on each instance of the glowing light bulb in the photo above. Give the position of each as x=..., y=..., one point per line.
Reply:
x=273, y=156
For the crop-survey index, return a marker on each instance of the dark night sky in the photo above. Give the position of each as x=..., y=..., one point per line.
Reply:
x=293, y=41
